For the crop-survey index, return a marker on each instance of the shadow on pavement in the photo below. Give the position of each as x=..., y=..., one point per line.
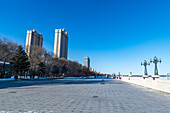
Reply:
x=9, y=84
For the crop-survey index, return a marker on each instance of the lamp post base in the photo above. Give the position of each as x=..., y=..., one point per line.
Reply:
x=145, y=76
x=155, y=76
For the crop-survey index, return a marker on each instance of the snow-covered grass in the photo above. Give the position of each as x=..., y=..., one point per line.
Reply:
x=36, y=77
x=89, y=77
x=7, y=79
x=73, y=77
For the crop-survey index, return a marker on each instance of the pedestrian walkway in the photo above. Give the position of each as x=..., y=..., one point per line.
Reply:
x=81, y=96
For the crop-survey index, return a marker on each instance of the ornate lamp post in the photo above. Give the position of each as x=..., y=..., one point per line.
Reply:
x=155, y=60
x=145, y=70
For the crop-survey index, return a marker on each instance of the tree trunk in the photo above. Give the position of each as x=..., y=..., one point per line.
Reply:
x=4, y=69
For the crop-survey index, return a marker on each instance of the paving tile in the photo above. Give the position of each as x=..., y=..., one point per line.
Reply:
x=82, y=96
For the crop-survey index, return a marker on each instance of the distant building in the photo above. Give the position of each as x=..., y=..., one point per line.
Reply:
x=93, y=70
x=7, y=72
x=61, y=43
x=90, y=69
x=87, y=62
x=33, y=39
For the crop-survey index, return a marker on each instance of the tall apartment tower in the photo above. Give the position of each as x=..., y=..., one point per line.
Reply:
x=87, y=62
x=61, y=43
x=33, y=39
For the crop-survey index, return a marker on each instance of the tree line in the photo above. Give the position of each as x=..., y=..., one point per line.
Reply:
x=39, y=62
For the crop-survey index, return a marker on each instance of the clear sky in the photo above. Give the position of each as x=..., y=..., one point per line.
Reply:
x=116, y=34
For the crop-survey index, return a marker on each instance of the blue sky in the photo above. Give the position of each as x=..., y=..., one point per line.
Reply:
x=116, y=34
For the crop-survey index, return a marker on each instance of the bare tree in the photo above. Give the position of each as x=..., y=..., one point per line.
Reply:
x=7, y=51
x=48, y=59
x=35, y=58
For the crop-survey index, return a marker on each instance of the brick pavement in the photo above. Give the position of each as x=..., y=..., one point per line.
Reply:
x=81, y=96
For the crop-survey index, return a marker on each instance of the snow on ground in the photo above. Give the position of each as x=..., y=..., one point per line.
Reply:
x=73, y=77
x=36, y=77
x=89, y=77
x=7, y=79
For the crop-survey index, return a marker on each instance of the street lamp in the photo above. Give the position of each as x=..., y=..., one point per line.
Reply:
x=145, y=70
x=155, y=61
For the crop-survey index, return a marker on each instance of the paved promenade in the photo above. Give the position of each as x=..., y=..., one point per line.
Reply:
x=80, y=96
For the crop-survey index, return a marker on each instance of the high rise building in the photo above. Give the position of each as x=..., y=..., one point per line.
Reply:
x=87, y=62
x=61, y=43
x=33, y=39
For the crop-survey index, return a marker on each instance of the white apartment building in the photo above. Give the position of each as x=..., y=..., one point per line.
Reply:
x=87, y=62
x=61, y=43
x=33, y=39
